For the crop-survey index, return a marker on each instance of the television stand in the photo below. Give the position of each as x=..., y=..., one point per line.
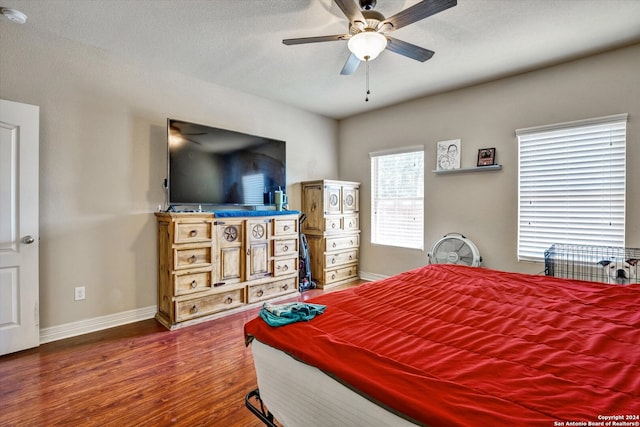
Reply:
x=211, y=264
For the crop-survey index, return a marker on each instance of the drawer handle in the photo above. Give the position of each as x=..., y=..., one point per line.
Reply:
x=285, y=248
x=333, y=276
x=286, y=228
x=194, y=309
x=350, y=257
x=194, y=284
x=192, y=259
x=260, y=293
x=333, y=225
x=193, y=233
x=229, y=300
x=333, y=260
x=350, y=224
x=285, y=287
x=351, y=242
x=333, y=245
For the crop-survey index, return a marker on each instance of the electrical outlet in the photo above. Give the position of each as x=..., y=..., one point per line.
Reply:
x=79, y=293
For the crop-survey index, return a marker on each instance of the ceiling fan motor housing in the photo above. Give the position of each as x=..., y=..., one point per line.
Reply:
x=373, y=20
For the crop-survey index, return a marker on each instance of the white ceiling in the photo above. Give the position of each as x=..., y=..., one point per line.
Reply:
x=238, y=43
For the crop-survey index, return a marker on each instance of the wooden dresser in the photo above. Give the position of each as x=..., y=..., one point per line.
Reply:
x=216, y=264
x=332, y=229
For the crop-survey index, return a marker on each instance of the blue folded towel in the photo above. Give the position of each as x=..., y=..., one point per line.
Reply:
x=283, y=314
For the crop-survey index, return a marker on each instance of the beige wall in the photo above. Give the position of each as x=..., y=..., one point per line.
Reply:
x=483, y=206
x=103, y=157
x=103, y=160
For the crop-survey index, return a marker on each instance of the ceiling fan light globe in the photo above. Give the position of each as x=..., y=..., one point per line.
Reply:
x=13, y=15
x=367, y=45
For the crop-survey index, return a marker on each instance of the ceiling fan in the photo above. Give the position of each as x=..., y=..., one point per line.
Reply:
x=368, y=31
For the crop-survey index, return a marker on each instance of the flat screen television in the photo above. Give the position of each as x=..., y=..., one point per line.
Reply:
x=216, y=167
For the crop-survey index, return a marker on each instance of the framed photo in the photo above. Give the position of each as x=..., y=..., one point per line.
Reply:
x=448, y=155
x=486, y=156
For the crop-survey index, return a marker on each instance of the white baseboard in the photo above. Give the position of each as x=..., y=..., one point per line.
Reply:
x=370, y=277
x=68, y=330
x=73, y=329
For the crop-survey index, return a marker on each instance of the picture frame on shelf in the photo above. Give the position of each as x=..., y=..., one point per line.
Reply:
x=486, y=157
x=448, y=155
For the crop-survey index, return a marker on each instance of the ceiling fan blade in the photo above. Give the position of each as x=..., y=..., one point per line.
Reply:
x=317, y=39
x=417, y=12
x=409, y=50
x=351, y=10
x=351, y=65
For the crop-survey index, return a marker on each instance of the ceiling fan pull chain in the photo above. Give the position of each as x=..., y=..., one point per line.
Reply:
x=366, y=59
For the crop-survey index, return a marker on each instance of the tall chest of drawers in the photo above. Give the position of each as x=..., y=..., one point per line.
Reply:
x=210, y=266
x=332, y=228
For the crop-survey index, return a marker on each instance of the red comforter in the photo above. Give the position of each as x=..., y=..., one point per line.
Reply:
x=451, y=345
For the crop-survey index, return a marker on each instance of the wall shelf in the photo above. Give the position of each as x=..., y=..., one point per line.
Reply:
x=467, y=170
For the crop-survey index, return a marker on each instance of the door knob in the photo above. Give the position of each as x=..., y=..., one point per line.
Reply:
x=28, y=240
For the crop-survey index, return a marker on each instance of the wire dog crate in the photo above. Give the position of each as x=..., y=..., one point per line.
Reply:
x=594, y=263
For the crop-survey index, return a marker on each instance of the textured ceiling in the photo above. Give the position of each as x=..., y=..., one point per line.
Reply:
x=238, y=43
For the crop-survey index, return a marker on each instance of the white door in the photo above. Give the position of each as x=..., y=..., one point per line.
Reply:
x=19, y=246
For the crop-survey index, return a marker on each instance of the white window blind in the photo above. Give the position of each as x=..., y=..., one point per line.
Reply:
x=397, y=198
x=571, y=185
x=253, y=189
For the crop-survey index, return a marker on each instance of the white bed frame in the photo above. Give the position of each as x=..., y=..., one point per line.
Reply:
x=297, y=394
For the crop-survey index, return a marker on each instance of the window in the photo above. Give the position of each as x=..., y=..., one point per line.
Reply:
x=253, y=189
x=397, y=198
x=571, y=185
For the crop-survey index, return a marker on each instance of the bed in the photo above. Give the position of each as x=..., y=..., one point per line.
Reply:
x=450, y=345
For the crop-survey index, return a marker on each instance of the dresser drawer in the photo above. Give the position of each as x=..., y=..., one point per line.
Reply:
x=334, y=259
x=190, y=283
x=350, y=223
x=333, y=224
x=192, y=232
x=285, y=247
x=342, y=223
x=342, y=242
x=191, y=257
x=209, y=304
x=270, y=290
x=285, y=226
x=285, y=266
x=340, y=273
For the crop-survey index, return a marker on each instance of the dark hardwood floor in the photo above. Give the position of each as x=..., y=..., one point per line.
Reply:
x=135, y=375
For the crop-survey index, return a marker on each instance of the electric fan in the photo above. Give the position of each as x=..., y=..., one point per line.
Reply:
x=454, y=248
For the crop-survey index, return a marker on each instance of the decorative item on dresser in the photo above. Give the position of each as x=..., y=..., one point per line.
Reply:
x=332, y=229
x=216, y=263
